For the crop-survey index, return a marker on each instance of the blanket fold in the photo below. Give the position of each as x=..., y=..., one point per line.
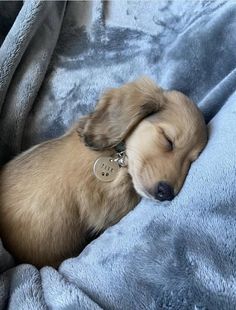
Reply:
x=24, y=58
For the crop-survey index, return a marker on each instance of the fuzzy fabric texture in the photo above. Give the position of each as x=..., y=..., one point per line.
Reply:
x=55, y=60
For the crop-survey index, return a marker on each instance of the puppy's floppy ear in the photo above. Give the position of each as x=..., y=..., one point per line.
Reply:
x=81, y=124
x=119, y=110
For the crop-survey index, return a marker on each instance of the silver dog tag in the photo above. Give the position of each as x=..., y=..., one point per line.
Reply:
x=105, y=169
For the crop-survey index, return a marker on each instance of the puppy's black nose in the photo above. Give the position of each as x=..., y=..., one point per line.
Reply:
x=164, y=191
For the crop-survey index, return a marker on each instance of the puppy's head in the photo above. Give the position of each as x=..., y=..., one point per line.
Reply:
x=164, y=133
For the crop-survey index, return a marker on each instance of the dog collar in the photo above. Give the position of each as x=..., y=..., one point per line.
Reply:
x=120, y=156
x=120, y=147
x=106, y=168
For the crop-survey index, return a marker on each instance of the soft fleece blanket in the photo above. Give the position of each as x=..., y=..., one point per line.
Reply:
x=55, y=59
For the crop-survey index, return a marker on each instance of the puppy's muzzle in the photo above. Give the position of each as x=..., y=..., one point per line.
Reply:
x=164, y=191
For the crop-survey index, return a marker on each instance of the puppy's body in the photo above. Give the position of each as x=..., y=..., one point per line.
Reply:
x=50, y=198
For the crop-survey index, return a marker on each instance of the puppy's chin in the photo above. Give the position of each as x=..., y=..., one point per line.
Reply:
x=144, y=194
x=139, y=188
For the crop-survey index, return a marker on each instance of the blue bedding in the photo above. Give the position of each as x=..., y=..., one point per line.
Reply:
x=55, y=60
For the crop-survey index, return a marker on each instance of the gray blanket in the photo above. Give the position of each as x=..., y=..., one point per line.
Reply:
x=55, y=59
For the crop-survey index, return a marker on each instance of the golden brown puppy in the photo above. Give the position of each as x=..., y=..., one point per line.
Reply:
x=50, y=197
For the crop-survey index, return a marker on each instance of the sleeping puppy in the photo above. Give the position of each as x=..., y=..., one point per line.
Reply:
x=54, y=194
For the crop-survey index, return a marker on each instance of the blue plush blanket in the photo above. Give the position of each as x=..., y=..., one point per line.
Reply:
x=55, y=59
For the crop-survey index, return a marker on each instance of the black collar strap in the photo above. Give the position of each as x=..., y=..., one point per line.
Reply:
x=119, y=148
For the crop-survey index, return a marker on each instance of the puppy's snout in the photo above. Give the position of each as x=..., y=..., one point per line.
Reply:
x=164, y=191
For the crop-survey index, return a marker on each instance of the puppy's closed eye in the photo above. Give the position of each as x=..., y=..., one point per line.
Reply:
x=169, y=144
